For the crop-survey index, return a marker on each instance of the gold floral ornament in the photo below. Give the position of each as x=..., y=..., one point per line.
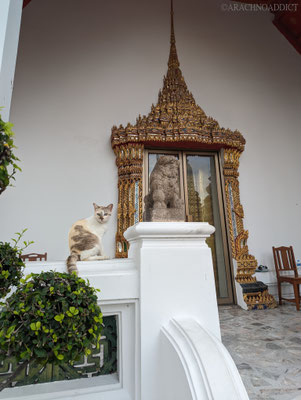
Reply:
x=176, y=121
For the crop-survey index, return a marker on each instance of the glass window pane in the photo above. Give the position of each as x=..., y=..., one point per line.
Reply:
x=203, y=207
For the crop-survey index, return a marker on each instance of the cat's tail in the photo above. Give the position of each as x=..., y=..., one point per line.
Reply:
x=71, y=263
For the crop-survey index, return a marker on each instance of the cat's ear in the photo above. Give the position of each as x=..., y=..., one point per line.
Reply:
x=95, y=206
x=110, y=207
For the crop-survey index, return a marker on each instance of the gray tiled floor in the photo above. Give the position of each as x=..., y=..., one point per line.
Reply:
x=266, y=347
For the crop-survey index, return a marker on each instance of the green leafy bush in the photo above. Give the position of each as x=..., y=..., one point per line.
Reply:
x=11, y=264
x=8, y=161
x=51, y=318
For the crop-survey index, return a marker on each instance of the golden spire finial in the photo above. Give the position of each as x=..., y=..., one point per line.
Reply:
x=173, y=57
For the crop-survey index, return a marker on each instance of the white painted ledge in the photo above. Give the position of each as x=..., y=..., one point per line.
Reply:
x=85, y=267
x=117, y=278
x=105, y=387
x=208, y=371
x=170, y=230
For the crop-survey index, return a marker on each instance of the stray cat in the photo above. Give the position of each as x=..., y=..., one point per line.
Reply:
x=85, y=237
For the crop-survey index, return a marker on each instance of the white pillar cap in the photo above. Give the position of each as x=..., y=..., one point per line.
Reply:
x=169, y=230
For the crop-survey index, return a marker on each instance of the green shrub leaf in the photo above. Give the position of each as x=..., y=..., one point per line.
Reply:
x=37, y=321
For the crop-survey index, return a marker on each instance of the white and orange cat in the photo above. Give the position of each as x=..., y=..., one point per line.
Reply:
x=85, y=237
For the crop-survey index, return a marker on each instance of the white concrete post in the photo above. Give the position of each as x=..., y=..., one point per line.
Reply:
x=10, y=20
x=176, y=280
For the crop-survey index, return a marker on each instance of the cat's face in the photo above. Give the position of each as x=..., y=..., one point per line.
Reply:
x=102, y=213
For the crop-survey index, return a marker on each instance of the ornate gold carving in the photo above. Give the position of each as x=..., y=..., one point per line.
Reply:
x=176, y=116
x=246, y=263
x=129, y=160
x=177, y=120
x=259, y=300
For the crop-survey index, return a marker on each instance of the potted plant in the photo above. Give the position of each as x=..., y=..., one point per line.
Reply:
x=51, y=318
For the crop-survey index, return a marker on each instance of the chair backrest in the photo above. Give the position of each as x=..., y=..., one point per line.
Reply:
x=284, y=260
x=34, y=257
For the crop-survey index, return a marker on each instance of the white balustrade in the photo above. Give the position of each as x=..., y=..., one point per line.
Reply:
x=164, y=297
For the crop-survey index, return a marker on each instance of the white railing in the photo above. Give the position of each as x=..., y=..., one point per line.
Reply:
x=168, y=328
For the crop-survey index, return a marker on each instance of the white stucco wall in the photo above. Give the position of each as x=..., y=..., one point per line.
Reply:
x=85, y=65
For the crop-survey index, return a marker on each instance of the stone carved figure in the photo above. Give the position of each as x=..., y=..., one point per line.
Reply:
x=163, y=202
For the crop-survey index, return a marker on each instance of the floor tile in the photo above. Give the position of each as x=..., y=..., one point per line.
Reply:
x=266, y=347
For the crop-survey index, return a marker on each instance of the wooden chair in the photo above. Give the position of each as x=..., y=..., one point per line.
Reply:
x=286, y=270
x=34, y=257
